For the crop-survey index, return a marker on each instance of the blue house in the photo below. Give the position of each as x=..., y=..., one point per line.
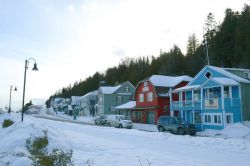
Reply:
x=214, y=98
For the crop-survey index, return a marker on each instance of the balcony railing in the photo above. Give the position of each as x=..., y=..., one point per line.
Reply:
x=213, y=103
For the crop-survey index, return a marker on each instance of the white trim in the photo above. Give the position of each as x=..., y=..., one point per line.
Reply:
x=232, y=117
x=212, y=119
x=241, y=108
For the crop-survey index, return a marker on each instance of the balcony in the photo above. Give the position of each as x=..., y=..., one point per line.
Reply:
x=212, y=103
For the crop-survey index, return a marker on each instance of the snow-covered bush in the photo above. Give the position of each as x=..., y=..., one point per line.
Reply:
x=7, y=123
x=40, y=156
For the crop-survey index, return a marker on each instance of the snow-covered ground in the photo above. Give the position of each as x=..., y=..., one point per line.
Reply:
x=101, y=146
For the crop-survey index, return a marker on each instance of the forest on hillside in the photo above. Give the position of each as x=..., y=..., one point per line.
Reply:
x=228, y=45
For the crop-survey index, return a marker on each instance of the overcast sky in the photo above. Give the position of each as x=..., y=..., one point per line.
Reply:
x=71, y=40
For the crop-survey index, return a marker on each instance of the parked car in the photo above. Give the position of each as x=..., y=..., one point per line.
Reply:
x=101, y=120
x=175, y=125
x=119, y=121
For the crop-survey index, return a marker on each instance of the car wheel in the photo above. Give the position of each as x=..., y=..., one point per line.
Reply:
x=120, y=125
x=161, y=129
x=180, y=131
x=108, y=124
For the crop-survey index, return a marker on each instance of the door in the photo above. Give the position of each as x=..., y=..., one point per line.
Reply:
x=150, y=117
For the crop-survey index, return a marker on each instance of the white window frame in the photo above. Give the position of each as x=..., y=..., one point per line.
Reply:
x=150, y=96
x=141, y=97
x=208, y=123
x=217, y=116
x=230, y=114
x=119, y=99
x=212, y=119
x=246, y=75
x=127, y=89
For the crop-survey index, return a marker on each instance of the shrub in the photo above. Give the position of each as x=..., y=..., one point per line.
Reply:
x=7, y=123
x=40, y=155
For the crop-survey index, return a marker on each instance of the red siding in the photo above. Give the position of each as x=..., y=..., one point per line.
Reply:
x=158, y=102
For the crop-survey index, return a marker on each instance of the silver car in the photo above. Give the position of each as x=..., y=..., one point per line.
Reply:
x=119, y=121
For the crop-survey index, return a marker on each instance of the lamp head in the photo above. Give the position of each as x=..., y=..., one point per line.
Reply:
x=15, y=89
x=35, y=67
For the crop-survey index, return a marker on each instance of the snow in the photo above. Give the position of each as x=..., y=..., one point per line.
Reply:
x=225, y=81
x=187, y=88
x=107, y=146
x=128, y=105
x=236, y=130
x=109, y=89
x=228, y=74
x=168, y=81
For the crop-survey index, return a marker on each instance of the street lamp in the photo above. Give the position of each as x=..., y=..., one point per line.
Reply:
x=15, y=89
x=24, y=82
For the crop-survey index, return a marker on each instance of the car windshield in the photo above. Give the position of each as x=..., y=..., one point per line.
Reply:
x=123, y=118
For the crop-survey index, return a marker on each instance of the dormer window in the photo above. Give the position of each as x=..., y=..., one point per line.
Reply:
x=127, y=89
x=208, y=74
x=246, y=75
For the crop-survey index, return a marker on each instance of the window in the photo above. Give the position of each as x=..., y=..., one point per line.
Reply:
x=166, y=108
x=229, y=118
x=207, y=118
x=217, y=119
x=141, y=97
x=127, y=89
x=246, y=75
x=226, y=92
x=197, y=117
x=208, y=74
x=196, y=95
x=145, y=83
x=150, y=96
x=214, y=119
x=119, y=99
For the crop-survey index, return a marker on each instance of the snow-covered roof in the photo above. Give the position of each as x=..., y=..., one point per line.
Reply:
x=109, y=89
x=128, y=105
x=225, y=81
x=228, y=74
x=190, y=87
x=74, y=99
x=87, y=94
x=168, y=81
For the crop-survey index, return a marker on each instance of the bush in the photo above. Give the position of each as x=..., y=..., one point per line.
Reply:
x=7, y=123
x=40, y=155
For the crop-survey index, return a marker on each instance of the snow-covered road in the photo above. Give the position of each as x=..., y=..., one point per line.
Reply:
x=111, y=146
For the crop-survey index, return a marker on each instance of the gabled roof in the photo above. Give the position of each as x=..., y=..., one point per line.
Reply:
x=95, y=92
x=225, y=81
x=168, y=81
x=222, y=71
x=190, y=87
x=109, y=89
x=112, y=89
x=128, y=105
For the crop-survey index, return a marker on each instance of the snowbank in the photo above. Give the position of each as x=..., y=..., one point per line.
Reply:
x=236, y=130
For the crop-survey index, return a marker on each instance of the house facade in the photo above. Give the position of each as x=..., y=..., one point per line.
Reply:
x=214, y=98
x=152, y=97
x=86, y=104
x=111, y=97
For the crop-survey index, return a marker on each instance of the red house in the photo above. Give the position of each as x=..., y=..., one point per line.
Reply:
x=153, y=99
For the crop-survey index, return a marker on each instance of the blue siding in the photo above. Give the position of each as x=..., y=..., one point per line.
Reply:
x=235, y=92
x=210, y=83
x=231, y=105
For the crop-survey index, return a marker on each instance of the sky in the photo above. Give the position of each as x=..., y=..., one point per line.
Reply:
x=72, y=39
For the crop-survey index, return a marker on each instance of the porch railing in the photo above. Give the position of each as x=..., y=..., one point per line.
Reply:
x=213, y=103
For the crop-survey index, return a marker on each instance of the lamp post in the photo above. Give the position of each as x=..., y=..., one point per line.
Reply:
x=15, y=89
x=24, y=82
